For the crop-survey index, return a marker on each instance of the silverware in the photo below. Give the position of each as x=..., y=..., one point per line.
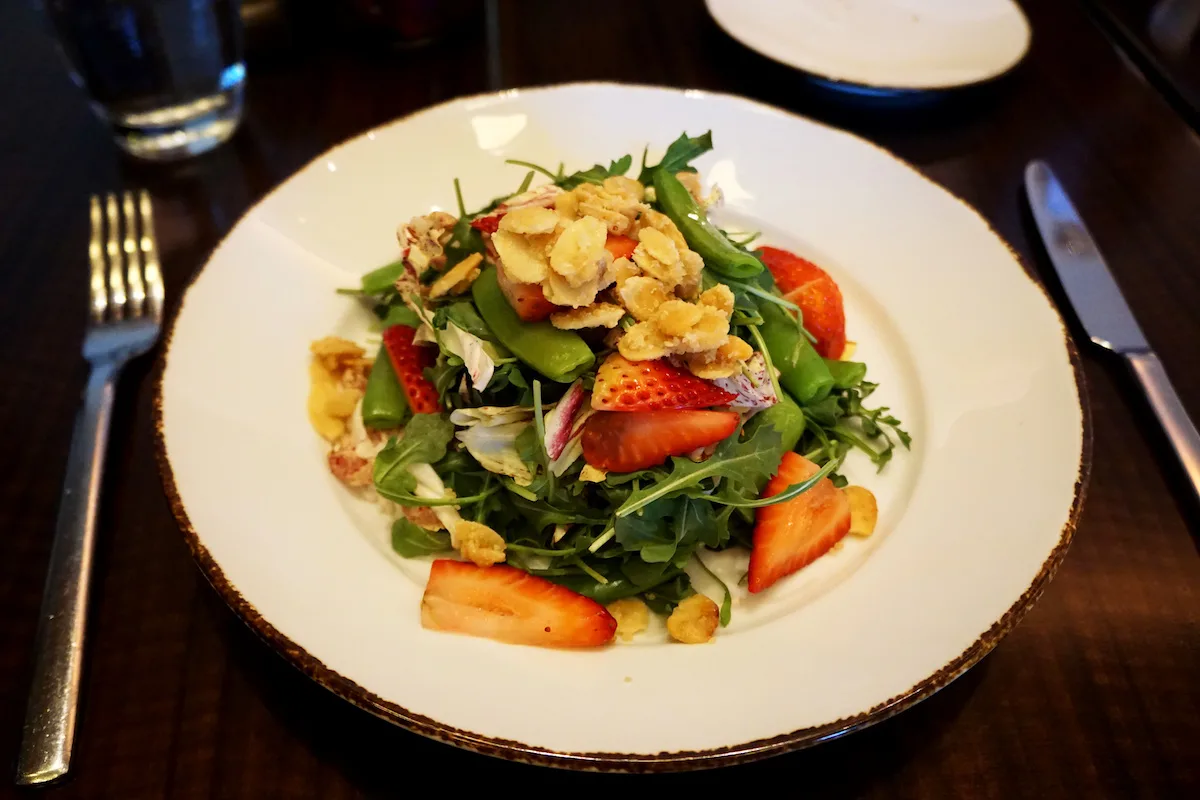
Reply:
x=126, y=313
x=1102, y=309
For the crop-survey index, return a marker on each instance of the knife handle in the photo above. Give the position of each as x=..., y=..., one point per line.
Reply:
x=1180, y=429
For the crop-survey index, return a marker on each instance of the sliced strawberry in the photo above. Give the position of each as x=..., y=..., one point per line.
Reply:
x=488, y=224
x=629, y=441
x=410, y=361
x=624, y=385
x=509, y=605
x=820, y=300
x=526, y=299
x=792, y=535
x=620, y=246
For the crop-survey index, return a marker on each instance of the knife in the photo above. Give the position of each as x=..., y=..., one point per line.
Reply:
x=1102, y=309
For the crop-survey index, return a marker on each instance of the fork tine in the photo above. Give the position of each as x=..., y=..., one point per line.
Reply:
x=133, y=266
x=96, y=259
x=116, y=281
x=155, y=291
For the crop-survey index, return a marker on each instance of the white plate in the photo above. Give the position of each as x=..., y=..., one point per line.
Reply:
x=883, y=44
x=969, y=351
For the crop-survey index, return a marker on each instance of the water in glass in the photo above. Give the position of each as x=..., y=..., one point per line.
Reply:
x=167, y=75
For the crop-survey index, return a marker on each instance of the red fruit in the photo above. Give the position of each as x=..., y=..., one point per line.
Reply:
x=488, y=224
x=410, y=361
x=792, y=535
x=620, y=246
x=633, y=440
x=526, y=299
x=820, y=300
x=509, y=605
x=624, y=385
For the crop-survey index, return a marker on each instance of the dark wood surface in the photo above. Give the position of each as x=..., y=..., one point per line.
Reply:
x=1096, y=692
x=1161, y=39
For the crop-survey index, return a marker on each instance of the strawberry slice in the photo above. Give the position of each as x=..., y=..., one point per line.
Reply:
x=629, y=441
x=410, y=361
x=820, y=300
x=526, y=299
x=488, y=224
x=624, y=385
x=509, y=605
x=792, y=535
x=620, y=246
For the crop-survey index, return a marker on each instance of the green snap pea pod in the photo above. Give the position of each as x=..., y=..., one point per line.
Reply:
x=785, y=417
x=801, y=370
x=384, y=404
x=719, y=254
x=562, y=356
x=380, y=280
x=846, y=374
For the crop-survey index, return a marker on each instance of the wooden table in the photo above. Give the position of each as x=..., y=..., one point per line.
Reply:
x=1096, y=692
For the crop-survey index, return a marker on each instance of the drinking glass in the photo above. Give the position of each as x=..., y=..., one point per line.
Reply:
x=166, y=75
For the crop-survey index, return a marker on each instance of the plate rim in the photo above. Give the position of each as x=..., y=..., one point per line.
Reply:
x=666, y=761
x=868, y=88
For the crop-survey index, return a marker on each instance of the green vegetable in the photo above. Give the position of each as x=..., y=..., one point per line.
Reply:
x=401, y=314
x=561, y=356
x=801, y=370
x=727, y=603
x=719, y=254
x=596, y=174
x=464, y=239
x=378, y=281
x=785, y=417
x=384, y=404
x=424, y=442
x=846, y=374
x=742, y=462
x=411, y=540
x=679, y=156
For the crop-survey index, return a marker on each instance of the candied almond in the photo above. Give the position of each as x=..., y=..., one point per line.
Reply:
x=694, y=620
x=597, y=315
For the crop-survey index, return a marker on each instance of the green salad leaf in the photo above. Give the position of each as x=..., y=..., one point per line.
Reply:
x=424, y=441
x=679, y=156
x=743, y=462
x=410, y=540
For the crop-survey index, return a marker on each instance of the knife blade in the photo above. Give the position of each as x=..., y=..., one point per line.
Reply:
x=1085, y=277
x=1102, y=310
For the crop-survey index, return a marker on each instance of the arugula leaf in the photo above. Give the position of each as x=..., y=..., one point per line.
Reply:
x=727, y=603
x=663, y=598
x=424, y=442
x=648, y=532
x=401, y=314
x=542, y=515
x=464, y=239
x=411, y=540
x=463, y=314
x=378, y=281
x=679, y=155
x=743, y=462
x=597, y=173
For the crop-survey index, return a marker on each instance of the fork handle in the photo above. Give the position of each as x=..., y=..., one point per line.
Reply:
x=54, y=695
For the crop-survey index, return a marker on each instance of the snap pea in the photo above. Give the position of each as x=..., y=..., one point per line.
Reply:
x=384, y=404
x=786, y=417
x=719, y=254
x=846, y=374
x=801, y=370
x=561, y=356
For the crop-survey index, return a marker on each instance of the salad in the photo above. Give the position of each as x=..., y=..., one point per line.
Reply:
x=584, y=389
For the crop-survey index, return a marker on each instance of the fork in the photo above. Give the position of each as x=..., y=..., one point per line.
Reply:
x=126, y=314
